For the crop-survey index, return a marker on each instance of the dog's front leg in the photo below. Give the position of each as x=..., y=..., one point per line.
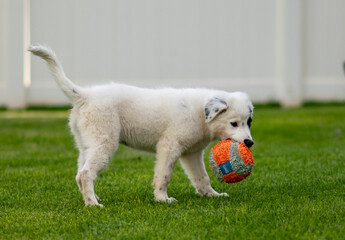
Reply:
x=194, y=166
x=167, y=156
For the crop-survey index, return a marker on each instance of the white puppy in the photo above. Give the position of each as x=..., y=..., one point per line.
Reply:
x=173, y=123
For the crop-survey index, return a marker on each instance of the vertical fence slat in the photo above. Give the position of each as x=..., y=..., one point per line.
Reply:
x=289, y=52
x=13, y=54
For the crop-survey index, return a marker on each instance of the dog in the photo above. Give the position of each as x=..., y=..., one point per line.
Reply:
x=173, y=123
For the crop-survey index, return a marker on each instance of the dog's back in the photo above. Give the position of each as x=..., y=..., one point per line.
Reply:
x=146, y=115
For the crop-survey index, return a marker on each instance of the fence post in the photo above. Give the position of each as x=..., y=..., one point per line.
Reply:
x=13, y=55
x=289, y=78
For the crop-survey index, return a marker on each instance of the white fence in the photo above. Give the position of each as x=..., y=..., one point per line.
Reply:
x=276, y=50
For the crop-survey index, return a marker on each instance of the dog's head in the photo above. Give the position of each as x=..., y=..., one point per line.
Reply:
x=229, y=115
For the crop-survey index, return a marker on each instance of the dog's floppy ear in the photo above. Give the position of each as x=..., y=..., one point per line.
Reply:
x=213, y=107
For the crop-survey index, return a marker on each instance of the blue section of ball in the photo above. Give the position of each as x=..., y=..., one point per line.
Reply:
x=226, y=168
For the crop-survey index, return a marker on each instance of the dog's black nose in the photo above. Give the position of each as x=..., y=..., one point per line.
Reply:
x=248, y=142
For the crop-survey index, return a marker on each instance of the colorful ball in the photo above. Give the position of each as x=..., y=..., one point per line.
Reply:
x=231, y=161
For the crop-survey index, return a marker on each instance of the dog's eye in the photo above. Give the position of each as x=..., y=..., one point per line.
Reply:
x=234, y=124
x=249, y=122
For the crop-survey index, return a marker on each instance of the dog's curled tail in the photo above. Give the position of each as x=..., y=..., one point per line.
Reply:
x=71, y=90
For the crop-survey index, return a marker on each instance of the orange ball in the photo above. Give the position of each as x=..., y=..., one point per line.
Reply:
x=231, y=161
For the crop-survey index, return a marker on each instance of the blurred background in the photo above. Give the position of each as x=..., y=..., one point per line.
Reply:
x=286, y=51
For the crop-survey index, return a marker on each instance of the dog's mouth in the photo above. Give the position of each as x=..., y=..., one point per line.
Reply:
x=249, y=143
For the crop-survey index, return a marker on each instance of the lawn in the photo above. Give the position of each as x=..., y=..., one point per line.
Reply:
x=296, y=190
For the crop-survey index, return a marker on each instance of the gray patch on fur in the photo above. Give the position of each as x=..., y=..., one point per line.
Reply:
x=215, y=99
x=207, y=112
x=250, y=110
x=213, y=107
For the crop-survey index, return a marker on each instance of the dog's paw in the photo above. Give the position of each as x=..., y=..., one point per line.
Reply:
x=222, y=195
x=210, y=192
x=91, y=203
x=94, y=205
x=171, y=200
x=214, y=194
x=166, y=199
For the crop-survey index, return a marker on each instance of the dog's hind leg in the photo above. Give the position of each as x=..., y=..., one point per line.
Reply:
x=80, y=145
x=97, y=161
x=194, y=166
x=100, y=143
x=97, y=158
x=81, y=162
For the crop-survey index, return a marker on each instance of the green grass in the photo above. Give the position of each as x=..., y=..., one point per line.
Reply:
x=296, y=191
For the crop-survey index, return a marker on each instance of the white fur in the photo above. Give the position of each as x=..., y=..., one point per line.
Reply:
x=175, y=124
